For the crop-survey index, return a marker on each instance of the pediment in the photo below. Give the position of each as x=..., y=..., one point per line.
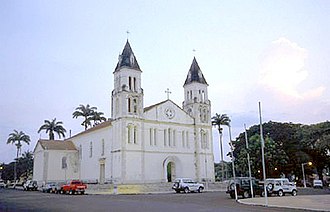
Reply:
x=167, y=111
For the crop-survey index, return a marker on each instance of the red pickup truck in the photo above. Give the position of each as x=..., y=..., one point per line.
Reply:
x=75, y=186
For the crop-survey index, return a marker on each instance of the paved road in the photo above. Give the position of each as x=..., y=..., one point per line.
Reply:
x=18, y=200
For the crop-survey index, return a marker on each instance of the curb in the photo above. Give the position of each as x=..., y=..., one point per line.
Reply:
x=280, y=206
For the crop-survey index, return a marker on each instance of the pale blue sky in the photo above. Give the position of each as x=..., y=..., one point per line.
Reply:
x=55, y=55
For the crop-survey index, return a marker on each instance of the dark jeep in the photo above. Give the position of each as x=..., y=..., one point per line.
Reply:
x=243, y=187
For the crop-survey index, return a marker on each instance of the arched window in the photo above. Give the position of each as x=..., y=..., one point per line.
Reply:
x=90, y=149
x=135, y=105
x=204, y=143
x=130, y=83
x=64, y=164
x=129, y=134
x=135, y=135
x=102, y=148
x=129, y=105
x=80, y=151
x=151, y=136
x=155, y=137
x=134, y=83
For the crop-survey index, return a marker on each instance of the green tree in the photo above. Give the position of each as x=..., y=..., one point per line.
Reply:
x=316, y=143
x=86, y=112
x=17, y=138
x=97, y=117
x=25, y=165
x=221, y=120
x=52, y=127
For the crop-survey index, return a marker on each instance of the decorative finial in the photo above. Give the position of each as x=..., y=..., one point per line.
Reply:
x=194, y=52
x=168, y=92
x=127, y=32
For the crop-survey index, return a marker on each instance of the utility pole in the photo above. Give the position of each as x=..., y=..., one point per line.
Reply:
x=263, y=156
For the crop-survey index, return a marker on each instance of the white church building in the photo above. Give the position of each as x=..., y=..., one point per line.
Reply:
x=137, y=144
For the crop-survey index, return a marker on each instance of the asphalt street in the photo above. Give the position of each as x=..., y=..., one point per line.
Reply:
x=18, y=200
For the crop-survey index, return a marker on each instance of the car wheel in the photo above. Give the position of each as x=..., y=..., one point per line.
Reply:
x=232, y=186
x=280, y=193
x=262, y=194
x=246, y=194
x=200, y=189
x=270, y=187
x=82, y=193
x=186, y=190
x=294, y=193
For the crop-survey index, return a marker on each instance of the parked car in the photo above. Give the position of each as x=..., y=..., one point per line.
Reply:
x=317, y=184
x=30, y=185
x=2, y=184
x=187, y=185
x=280, y=186
x=49, y=187
x=243, y=187
x=74, y=186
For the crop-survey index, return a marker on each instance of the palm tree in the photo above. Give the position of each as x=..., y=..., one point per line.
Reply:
x=86, y=112
x=217, y=121
x=25, y=164
x=17, y=138
x=97, y=117
x=52, y=127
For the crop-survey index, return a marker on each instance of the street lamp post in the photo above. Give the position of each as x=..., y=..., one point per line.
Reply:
x=248, y=158
x=303, y=171
x=232, y=160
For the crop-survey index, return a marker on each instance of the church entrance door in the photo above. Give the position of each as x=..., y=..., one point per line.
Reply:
x=102, y=173
x=170, y=171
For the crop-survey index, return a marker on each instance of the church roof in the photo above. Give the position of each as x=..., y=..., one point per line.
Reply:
x=96, y=127
x=155, y=105
x=127, y=59
x=57, y=145
x=195, y=74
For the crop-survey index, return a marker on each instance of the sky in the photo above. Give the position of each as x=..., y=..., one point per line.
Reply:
x=56, y=55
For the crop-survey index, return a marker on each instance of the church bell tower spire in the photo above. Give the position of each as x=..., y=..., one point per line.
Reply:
x=196, y=102
x=127, y=95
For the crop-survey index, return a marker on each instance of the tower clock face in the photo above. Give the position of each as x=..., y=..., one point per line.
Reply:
x=169, y=112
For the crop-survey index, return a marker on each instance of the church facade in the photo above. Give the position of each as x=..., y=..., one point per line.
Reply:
x=137, y=144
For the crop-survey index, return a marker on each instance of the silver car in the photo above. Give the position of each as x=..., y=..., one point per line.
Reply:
x=280, y=186
x=187, y=185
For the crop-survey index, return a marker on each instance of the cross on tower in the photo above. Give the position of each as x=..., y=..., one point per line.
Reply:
x=168, y=92
x=127, y=32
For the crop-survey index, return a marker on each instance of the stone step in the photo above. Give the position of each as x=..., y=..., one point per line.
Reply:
x=144, y=188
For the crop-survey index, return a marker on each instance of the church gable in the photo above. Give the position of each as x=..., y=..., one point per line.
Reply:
x=167, y=111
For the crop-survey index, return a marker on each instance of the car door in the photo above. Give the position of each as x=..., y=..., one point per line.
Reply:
x=285, y=185
x=192, y=185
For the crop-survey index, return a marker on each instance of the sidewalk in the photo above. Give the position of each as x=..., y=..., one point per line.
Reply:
x=306, y=202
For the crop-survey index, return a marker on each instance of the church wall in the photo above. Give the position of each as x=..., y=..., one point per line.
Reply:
x=93, y=149
x=57, y=170
x=38, y=162
x=133, y=167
